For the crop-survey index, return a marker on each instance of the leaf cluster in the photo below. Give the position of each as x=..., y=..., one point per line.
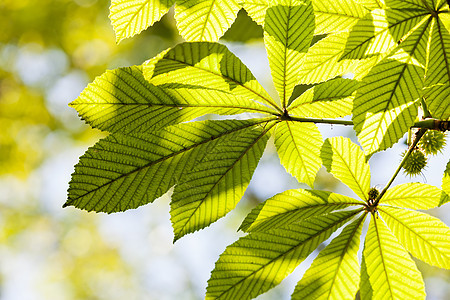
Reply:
x=398, y=52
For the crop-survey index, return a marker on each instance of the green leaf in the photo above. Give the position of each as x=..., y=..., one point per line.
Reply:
x=346, y=162
x=130, y=17
x=438, y=101
x=331, y=99
x=336, y=16
x=209, y=66
x=243, y=30
x=438, y=67
x=205, y=20
x=298, y=146
x=122, y=101
x=446, y=184
x=256, y=9
x=334, y=274
x=391, y=271
x=121, y=172
x=381, y=31
x=293, y=206
x=414, y=196
x=426, y=237
x=322, y=60
x=288, y=31
x=385, y=106
x=261, y=260
x=218, y=179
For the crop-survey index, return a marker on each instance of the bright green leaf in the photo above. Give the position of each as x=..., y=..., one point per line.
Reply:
x=122, y=101
x=385, y=106
x=380, y=31
x=414, y=196
x=209, y=66
x=438, y=101
x=334, y=274
x=205, y=20
x=288, y=31
x=426, y=237
x=331, y=99
x=322, y=60
x=256, y=9
x=346, y=162
x=391, y=271
x=126, y=171
x=218, y=179
x=335, y=16
x=438, y=67
x=261, y=260
x=298, y=146
x=130, y=17
x=294, y=206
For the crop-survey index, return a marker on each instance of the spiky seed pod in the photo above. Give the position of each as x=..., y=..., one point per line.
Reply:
x=415, y=163
x=432, y=142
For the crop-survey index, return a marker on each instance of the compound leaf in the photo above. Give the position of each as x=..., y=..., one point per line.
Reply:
x=218, y=179
x=346, y=162
x=334, y=274
x=424, y=236
x=122, y=101
x=294, y=206
x=130, y=17
x=121, y=172
x=256, y=9
x=288, y=31
x=414, y=195
x=261, y=260
x=446, y=183
x=206, y=20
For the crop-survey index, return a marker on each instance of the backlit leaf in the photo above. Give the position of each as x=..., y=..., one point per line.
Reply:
x=261, y=260
x=293, y=206
x=391, y=271
x=298, y=146
x=218, y=179
x=334, y=274
x=126, y=171
x=288, y=31
x=446, y=183
x=205, y=20
x=331, y=99
x=413, y=195
x=122, y=101
x=130, y=17
x=209, y=66
x=426, y=237
x=346, y=162
x=256, y=9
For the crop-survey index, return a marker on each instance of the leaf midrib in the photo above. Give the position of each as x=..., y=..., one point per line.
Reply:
x=168, y=157
x=221, y=177
x=322, y=230
x=230, y=79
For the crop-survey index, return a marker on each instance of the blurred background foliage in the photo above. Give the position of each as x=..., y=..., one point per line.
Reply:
x=49, y=51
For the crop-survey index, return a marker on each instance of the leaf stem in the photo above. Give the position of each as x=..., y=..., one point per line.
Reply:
x=417, y=138
x=434, y=124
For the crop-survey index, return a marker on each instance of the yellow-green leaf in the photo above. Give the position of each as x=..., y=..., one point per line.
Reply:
x=334, y=274
x=205, y=20
x=130, y=17
x=414, y=195
x=346, y=162
x=288, y=31
x=293, y=206
x=426, y=237
x=391, y=271
x=298, y=146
